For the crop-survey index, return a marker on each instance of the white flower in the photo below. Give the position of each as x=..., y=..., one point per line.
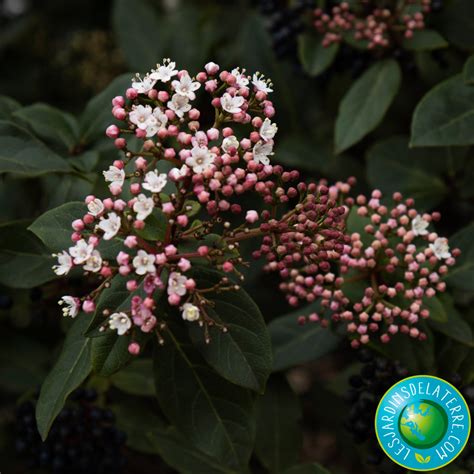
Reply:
x=143, y=207
x=144, y=263
x=71, y=306
x=261, y=84
x=178, y=173
x=440, y=248
x=64, y=263
x=419, y=225
x=201, y=159
x=230, y=142
x=140, y=115
x=110, y=226
x=186, y=87
x=120, y=322
x=241, y=79
x=268, y=129
x=232, y=104
x=142, y=86
x=95, y=207
x=179, y=104
x=94, y=262
x=176, y=284
x=114, y=175
x=261, y=152
x=154, y=182
x=81, y=251
x=164, y=72
x=156, y=122
x=190, y=312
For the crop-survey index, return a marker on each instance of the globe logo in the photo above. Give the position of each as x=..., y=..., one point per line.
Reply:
x=422, y=423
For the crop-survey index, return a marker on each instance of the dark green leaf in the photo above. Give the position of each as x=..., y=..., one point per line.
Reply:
x=445, y=115
x=7, y=107
x=315, y=57
x=243, y=354
x=141, y=36
x=60, y=189
x=109, y=353
x=313, y=468
x=136, y=379
x=366, y=102
x=279, y=435
x=456, y=23
x=86, y=161
x=392, y=166
x=468, y=71
x=461, y=276
x=294, y=344
x=425, y=40
x=50, y=124
x=215, y=415
x=71, y=369
x=155, y=227
x=23, y=154
x=437, y=310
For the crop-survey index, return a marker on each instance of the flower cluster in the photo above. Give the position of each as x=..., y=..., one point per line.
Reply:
x=391, y=267
x=181, y=162
x=371, y=25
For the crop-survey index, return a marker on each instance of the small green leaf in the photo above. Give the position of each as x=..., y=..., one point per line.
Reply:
x=366, y=102
x=420, y=458
x=23, y=154
x=243, y=354
x=50, y=124
x=136, y=379
x=294, y=344
x=445, y=115
x=425, y=40
x=71, y=369
x=468, y=71
x=279, y=435
x=315, y=57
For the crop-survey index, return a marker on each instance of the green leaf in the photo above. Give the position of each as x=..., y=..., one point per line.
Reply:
x=279, y=436
x=456, y=23
x=141, y=35
x=155, y=227
x=136, y=379
x=175, y=450
x=445, y=115
x=54, y=226
x=315, y=57
x=71, y=369
x=437, y=310
x=50, y=124
x=425, y=40
x=392, y=166
x=7, y=107
x=86, y=161
x=24, y=260
x=366, y=102
x=215, y=415
x=109, y=353
x=98, y=112
x=23, y=154
x=313, y=468
x=461, y=275
x=294, y=344
x=468, y=71
x=455, y=327
x=243, y=354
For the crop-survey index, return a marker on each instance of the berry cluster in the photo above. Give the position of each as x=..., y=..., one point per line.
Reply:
x=82, y=440
x=370, y=25
x=394, y=261
x=182, y=167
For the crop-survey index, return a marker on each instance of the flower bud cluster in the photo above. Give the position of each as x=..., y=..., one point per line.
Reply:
x=371, y=25
x=395, y=263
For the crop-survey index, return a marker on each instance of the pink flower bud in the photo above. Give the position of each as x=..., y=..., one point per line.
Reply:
x=120, y=143
x=170, y=250
x=131, y=241
x=174, y=299
x=134, y=348
x=112, y=131
x=251, y=216
x=78, y=225
x=184, y=264
x=132, y=285
x=168, y=207
x=131, y=93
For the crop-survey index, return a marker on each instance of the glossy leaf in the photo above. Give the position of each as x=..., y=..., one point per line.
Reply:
x=23, y=154
x=215, y=415
x=243, y=354
x=445, y=115
x=71, y=369
x=294, y=344
x=425, y=40
x=365, y=104
x=7, y=107
x=136, y=379
x=315, y=57
x=279, y=435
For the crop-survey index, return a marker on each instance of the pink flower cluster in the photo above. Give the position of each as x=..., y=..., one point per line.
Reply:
x=390, y=268
x=179, y=163
x=367, y=23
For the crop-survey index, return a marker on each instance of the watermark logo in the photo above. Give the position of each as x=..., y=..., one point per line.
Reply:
x=422, y=423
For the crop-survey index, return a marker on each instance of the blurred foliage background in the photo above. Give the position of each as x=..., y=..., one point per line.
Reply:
x=65, y=53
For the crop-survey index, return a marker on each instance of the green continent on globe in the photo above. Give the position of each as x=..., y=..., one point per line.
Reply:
x=423, y=424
